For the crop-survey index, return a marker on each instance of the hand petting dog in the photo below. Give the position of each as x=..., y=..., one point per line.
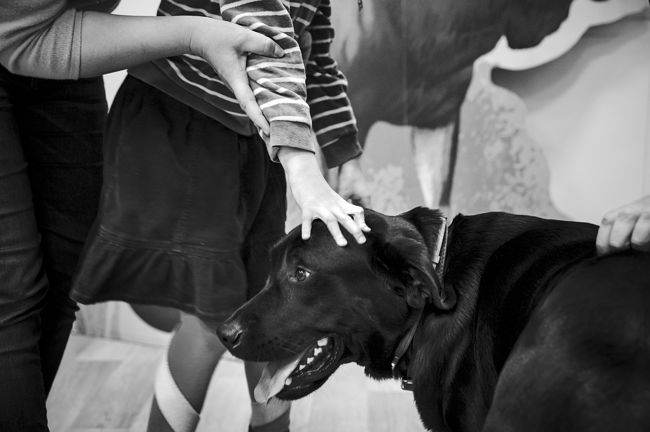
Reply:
x=626, y=227
x=317, y=200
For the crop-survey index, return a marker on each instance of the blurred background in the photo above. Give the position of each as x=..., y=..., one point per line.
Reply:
x=549, y=118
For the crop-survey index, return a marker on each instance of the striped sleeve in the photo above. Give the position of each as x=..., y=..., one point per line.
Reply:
x=278, y=83
x=332, y=115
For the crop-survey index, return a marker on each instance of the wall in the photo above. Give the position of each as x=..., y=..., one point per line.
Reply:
x=589, y=112
x=563, y=133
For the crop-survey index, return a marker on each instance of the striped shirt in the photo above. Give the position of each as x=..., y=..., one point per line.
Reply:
x=294, y=97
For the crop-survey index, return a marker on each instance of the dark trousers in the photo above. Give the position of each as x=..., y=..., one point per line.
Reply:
x=50, y=180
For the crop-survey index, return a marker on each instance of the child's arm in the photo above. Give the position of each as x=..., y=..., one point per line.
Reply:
x=278, y=84
x=332, y=114
x=280, y=88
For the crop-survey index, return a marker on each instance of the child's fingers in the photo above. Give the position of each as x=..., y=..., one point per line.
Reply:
x=334, y=229
x=357, y=213
x=330, y=220
x=359, y=218
x=351, y=225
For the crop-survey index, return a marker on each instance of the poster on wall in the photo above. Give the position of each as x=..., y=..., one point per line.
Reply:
x=460, y=141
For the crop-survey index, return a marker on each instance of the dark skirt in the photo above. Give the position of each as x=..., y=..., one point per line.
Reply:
x=189, y=210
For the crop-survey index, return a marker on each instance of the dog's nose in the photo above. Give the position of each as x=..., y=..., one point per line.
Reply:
x=230, y=333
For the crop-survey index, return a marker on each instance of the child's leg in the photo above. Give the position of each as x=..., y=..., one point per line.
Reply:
x=182, y=382
x=270, y=417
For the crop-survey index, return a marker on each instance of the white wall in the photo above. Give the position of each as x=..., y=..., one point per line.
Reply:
x=589, y=110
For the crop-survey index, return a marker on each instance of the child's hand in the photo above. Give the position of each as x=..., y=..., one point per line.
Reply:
x=316, y=198
x=225, y=46
x=351, y=183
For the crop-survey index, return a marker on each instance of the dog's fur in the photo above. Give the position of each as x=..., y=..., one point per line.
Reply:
x=529, y=332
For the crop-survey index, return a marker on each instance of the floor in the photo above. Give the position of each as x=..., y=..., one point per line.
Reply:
x=106, y=386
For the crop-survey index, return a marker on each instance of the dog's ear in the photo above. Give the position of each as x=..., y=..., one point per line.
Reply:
x=431, y=224
x=404, y=248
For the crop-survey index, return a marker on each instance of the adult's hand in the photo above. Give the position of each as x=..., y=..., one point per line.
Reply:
x=225, y=46
x=625, y=227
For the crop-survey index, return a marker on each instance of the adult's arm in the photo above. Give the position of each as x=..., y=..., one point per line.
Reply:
x=43, y=38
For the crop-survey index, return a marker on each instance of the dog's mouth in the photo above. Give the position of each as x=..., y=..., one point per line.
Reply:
x=300, y=375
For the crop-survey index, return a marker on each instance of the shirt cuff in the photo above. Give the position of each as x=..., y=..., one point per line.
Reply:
x=289, y=134
x=342, y=150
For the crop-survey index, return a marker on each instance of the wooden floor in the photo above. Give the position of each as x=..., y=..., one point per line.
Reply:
x=106, y=386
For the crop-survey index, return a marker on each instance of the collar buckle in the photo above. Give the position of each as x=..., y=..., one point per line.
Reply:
x=407, y=384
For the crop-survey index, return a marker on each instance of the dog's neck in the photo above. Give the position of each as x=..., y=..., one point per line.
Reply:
x=456, y=372
x=438, y=251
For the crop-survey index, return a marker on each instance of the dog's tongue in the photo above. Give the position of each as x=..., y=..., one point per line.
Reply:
x=273, y=377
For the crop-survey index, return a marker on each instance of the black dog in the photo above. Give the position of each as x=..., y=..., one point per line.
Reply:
x=526, y=330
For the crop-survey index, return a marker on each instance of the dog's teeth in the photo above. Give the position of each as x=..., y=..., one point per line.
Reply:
x=288, y=382
x=309, y=360
x=322, y=342
x=317, y=351
x=301, y=367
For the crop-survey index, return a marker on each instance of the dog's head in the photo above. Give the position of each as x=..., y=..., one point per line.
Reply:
x=325, y=305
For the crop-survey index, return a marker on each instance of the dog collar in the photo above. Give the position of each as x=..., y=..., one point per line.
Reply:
x=438, y=262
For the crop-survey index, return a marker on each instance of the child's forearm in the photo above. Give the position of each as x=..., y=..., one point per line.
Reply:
x=279, y=85
x=298, y=163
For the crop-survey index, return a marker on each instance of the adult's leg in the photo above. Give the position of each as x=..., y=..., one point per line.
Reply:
x=61, y=126
x=23, y=283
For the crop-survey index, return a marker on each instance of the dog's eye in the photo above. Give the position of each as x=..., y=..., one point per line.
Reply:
x=300, y=275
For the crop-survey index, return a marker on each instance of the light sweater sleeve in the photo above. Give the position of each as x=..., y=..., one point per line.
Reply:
x=40, y=38
x=278, y=83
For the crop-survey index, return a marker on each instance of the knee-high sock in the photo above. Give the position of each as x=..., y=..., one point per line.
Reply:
x=192, y=356
x=173, y=405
